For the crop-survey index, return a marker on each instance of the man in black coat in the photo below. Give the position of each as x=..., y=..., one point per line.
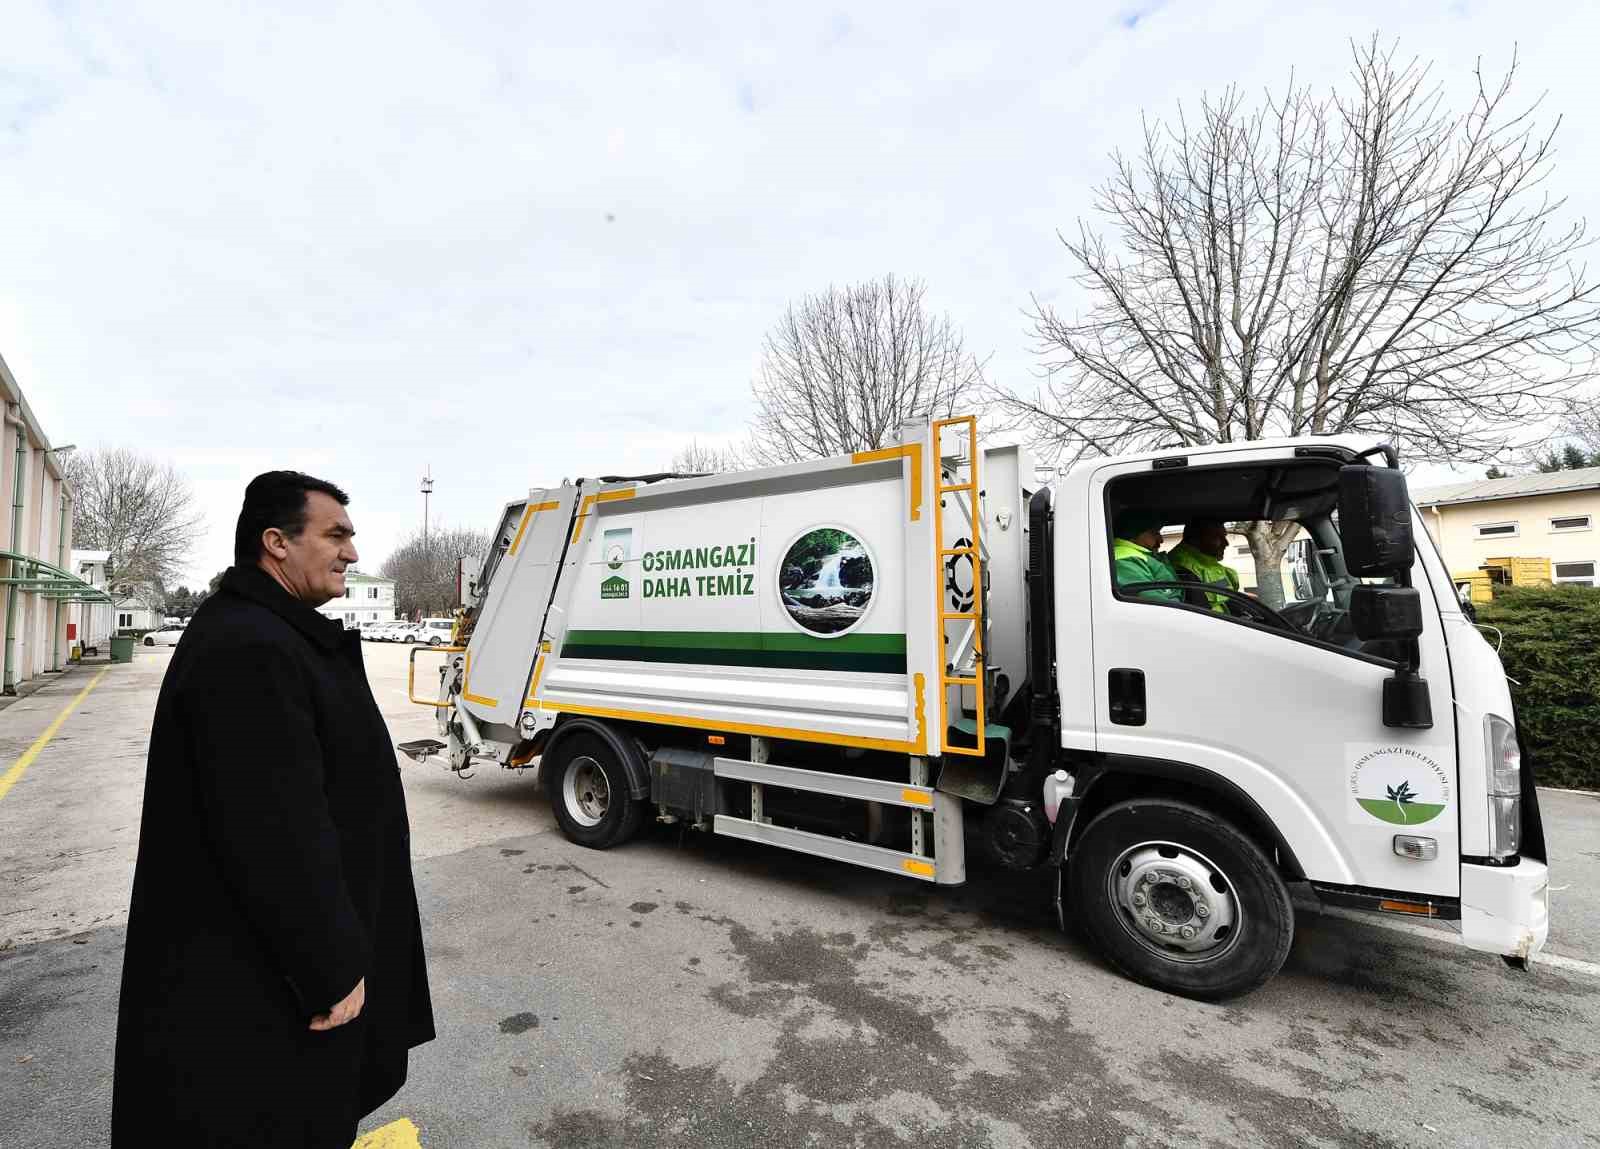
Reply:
x=274, y=977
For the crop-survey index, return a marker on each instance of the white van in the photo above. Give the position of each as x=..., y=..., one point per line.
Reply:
x=434, y=631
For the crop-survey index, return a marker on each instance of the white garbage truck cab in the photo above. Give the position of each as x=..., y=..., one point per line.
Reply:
x=880, y=657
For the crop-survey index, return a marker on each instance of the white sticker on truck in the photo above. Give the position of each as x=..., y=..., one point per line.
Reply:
x=1400, y=785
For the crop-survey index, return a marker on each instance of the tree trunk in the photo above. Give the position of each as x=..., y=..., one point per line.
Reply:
x=1268, y=542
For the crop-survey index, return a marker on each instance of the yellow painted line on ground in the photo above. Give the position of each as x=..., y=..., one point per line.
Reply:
x=13, y=775
x=401, y=1134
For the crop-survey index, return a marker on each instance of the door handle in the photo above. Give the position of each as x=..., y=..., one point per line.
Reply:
x=1127, y=696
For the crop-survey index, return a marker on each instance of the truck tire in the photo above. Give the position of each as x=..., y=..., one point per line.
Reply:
x=588, y=788
x=1180, y=899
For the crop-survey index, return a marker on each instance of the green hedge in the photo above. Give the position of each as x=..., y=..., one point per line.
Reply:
x=1552, y=654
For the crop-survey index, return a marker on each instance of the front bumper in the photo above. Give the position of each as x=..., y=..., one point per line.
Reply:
x=1505, y=909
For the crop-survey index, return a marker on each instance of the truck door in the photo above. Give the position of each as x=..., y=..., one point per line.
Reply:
x=1286, y=709
x=505, y=640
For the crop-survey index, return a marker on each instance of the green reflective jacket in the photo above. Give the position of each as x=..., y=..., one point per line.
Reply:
x=1135, y=565
x=1207, y=570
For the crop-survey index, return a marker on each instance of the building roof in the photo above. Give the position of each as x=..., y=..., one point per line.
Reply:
x=90, y=556
x=1511, y=487
x=353, y=575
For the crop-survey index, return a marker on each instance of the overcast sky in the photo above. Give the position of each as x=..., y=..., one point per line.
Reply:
x=524, y=242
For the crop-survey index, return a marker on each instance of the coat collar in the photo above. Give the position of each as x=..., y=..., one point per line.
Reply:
x=256, y=585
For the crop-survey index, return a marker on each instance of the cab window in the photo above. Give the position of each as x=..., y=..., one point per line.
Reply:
x=1180, y=539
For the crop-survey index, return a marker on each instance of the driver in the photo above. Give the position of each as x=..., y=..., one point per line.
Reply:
x=1137, y=535
x=1204, y=543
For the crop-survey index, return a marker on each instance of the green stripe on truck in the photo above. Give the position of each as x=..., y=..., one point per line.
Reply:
x=876, y=653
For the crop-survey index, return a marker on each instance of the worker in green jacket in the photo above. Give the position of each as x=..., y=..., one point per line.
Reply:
x=1137, y=535
x=1200, y=553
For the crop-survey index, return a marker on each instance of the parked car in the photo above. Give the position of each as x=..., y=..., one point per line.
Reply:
x=369, y=630
x=399, y=632
x=434, y=631
x=166, y=636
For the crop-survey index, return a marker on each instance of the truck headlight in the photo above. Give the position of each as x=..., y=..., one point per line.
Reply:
x=1505, y=786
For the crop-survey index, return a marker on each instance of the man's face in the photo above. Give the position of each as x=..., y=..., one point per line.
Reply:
x=1149, y=539
x=315, y=562
x=1211, y=539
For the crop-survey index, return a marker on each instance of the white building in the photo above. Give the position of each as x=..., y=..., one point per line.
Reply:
x=367, y=598
x=35, y=534
x=1550, y=516
x=91, y=624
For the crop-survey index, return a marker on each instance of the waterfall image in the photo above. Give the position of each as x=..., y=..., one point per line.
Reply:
x=825, y=580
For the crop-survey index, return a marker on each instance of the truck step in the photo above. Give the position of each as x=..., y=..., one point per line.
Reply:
x=840, y=849
x=421, y=749
x=818, y=782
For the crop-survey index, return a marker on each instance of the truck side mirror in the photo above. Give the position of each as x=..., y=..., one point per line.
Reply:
x=1375, y=520
x=1386, y=612
x=1375, y=527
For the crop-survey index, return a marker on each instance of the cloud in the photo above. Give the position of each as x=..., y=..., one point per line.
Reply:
x=519, y=244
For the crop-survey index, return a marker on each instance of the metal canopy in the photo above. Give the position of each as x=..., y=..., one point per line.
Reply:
x=35, y=576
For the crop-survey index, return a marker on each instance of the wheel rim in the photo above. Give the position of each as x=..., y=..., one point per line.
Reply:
x=586, y=792
x=1175, y=902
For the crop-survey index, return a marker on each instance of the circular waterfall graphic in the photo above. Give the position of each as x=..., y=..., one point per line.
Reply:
x=825, y=581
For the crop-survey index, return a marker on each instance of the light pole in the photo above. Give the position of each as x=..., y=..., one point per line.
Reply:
x=427, y=490
x=61, y=557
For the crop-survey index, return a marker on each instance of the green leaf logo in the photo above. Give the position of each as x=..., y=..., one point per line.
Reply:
x=1402, y=796
x=1401, y=806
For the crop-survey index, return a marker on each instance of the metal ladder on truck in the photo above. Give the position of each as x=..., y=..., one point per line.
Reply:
x=961, y=668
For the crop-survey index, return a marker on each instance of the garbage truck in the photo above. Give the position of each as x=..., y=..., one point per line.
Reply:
x=899, y=656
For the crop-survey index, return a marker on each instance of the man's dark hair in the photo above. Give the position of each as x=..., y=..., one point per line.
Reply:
x=276, y=499
x=1193, y=527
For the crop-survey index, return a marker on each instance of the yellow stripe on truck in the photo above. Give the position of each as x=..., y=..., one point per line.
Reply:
x=912, y=451
x=527, y=517
x=590, y=500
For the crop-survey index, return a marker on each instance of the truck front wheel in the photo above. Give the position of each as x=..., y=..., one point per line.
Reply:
x=1179, y=899
x=588, y=790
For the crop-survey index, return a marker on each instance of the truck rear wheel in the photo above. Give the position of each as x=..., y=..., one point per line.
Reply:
x=1179, y=899
x=588, y=790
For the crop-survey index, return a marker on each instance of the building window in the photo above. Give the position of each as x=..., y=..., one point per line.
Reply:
x=1575, y=573
x=372, y=592
x=124, y=619
x=1497, y=530
x=1571, y=523
x=1241, y=550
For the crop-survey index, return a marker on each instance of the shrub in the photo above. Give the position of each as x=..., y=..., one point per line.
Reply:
x=1551, y=653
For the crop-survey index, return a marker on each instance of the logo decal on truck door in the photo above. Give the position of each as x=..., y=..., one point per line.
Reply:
x=1396, y=784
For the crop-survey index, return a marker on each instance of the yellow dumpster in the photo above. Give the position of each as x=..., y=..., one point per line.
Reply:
x=1522, y=571
x=1474, y=586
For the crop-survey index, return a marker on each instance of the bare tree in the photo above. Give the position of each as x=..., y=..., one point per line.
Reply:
x=140, y=510
x=700, y=459
x=1583, y=424
x=424, y=569
x=842, y=370
x=1367, y=261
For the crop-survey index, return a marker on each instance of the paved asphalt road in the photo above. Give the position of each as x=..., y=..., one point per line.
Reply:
x=705, y=992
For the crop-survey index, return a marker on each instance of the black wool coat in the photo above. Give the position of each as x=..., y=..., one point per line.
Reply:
x=274, y=873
